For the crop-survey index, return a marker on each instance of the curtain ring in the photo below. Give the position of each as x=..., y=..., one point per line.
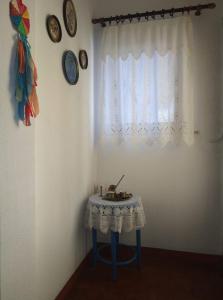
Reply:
x=121, y=19
x=147, y=16
x=172, y=12
x=153, y=15
x=130, y=18
x=117, y=20
x=162, y=13
x=198, y=11
x=138, y=17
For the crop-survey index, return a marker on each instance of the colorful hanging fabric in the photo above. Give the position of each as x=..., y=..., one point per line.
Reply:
x=26, y=80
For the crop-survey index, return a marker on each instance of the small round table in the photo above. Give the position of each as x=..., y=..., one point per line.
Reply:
x=116, y=217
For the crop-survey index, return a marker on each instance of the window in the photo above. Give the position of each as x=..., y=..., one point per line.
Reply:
x=146, y=88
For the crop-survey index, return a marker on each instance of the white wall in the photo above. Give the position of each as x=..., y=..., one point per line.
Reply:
x=64, y=151
x=47, y=170
x=17, y=197
x=180, y=186
x=221, y=122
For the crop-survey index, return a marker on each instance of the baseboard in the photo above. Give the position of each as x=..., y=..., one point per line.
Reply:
x=186, y=256
x=147, y=253
x=67, y=289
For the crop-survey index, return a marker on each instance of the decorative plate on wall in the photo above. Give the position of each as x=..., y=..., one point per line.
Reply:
x=83, y=59
x=70, y=17
x=54, y=28
x=70, y=67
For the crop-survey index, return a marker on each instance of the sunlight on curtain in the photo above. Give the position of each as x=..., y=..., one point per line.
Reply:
x=146, y=82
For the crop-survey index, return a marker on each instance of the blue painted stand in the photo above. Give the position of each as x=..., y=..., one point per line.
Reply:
x=114, y=248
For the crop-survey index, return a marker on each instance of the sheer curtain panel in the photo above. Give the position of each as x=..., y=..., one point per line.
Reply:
x=145, y=90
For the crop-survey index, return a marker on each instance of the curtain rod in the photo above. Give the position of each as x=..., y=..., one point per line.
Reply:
x=152, y=14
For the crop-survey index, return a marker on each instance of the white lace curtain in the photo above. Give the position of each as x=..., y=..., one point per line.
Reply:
x=145, y=89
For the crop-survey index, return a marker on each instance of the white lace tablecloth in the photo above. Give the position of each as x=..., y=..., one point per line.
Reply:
x=121, y=216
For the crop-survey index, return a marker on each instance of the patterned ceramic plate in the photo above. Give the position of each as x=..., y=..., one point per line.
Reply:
x=70, y=18
x=54, y=28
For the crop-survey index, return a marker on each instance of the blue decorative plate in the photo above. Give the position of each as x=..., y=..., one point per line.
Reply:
x=70, y=67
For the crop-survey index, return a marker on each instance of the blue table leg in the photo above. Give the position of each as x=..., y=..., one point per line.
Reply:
x=94, y=241
x=114, y=254
x=117, y=240
x=138, y=246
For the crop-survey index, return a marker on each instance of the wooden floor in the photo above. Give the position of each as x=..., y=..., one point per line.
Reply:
x=164, y=275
